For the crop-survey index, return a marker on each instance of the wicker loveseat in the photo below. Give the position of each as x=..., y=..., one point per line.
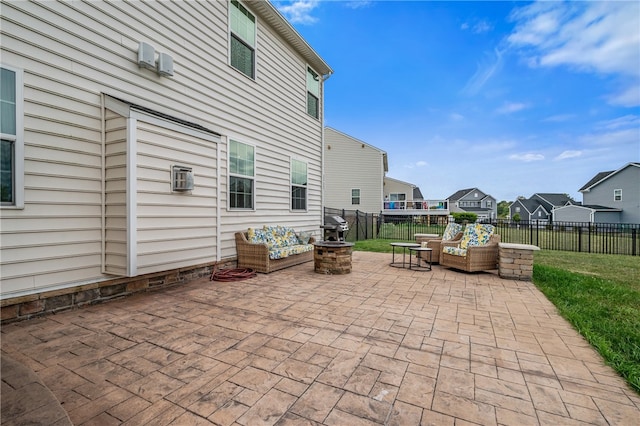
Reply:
x=477, y=250
x=272, y=248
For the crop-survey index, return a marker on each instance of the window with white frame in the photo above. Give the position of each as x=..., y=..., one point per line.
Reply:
x=243, y=39
x=12, y=145
x=313, y=93
x=241, y=175
x=355, y=196
x=617, y=195
x=517, y=209
x=298, y=185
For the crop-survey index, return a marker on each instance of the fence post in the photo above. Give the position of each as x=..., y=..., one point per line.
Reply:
x=579, y=238
x=633, y=241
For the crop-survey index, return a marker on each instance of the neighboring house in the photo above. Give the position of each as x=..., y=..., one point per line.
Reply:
x=138, y=137
x=354, y=173
x=400, y=195
x=473, y=200
x=609, y=197
x=539, y=206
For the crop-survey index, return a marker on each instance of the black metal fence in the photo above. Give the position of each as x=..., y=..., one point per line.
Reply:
x=606, y=238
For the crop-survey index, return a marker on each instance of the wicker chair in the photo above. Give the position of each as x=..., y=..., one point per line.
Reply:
x=470, y=254
x=452, y=232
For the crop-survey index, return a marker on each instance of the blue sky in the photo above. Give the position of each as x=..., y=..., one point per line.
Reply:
x=513, y=98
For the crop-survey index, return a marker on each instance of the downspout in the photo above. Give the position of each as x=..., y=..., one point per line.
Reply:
x=218, y=208
x=325, y=77
x=103, y=212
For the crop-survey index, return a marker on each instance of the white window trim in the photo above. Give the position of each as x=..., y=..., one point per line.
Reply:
x=230, y=174
x=359, y=196
x=615, y=192
x=291, y=185
x=18, y=140
x=255, y=47
x=306, y=91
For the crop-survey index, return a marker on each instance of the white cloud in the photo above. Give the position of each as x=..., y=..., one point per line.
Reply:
x=454, y=116
x=568, y=154
x=421, y=163
x=484, y=72
x=357, y=4
x=511, y=107
x=629, y=120
x=560, y=118
x=528, y=157
x=600, y=37
x=298, y=11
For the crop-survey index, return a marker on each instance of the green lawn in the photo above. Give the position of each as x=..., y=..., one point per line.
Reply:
x=598, y=294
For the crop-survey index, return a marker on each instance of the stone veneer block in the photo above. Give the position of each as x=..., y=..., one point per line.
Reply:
x=515, y=261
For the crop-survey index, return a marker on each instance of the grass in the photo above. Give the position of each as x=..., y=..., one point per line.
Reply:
x=598, y=294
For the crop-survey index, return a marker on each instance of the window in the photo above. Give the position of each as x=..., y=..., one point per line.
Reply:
x=313, y=93
x=617, y=195
x=241, y=175
x=517, y=209
x=489, y=204
x=12, y=143
x=355, y=196
x=298, y=185
x=243, y=39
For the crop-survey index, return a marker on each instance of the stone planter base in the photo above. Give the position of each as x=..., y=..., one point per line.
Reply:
x=516, y=261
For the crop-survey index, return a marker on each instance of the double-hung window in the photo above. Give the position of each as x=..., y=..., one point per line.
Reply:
x=355, y=196
x=12, y=145
x=313, y=93
x=243, y=39
x=617, y=195
x=298, y=185
x=241, y=175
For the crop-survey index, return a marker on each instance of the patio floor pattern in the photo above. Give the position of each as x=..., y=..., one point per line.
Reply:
x=379, y=346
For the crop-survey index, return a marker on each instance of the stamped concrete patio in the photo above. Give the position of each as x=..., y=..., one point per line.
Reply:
x=380, y=346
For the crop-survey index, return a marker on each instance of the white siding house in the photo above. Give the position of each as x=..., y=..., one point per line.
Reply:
x=353, y=173
x=112, y=109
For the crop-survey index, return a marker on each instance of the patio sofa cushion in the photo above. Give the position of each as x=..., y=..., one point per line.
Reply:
x=282, y=241
x=451, y=231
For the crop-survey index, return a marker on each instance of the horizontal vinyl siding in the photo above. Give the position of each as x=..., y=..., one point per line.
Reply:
x=71, y=53
x=166, y=236
x=350, y=165
x=115, y=258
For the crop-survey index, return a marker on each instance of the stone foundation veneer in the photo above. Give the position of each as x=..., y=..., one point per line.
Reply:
x=47, y=302
x=515, y=261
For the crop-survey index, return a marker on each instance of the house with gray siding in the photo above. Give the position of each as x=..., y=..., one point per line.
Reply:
x=609, y=197
x=473, y=200
x=354, y=173
x=138, y=137
x=539, y=206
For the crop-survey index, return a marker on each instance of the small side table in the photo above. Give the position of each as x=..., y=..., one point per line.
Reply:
x=404, y=250
x=419, y=258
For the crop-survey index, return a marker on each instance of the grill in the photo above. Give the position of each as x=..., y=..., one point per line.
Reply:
x=334, y=228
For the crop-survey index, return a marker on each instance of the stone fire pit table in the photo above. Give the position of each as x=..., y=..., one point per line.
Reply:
x=332, y=257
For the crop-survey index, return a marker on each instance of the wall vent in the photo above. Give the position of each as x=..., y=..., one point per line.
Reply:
x=146, y=55
x=182, y=179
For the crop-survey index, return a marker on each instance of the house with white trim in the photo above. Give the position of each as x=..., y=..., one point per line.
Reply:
x=473, y=200
x=354, y=173
x=539, y=206
x=609, y=197
x=138, y=137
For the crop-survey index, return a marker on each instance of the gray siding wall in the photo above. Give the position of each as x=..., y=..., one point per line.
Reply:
x=572, y=214
x=352, y=164
x=628, y=180
x=71, y=53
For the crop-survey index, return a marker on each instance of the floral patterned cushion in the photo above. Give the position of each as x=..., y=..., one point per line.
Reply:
x=476, y=234
x=456, y=251
x=451, y=231
x=256, y=236
x=282, y=252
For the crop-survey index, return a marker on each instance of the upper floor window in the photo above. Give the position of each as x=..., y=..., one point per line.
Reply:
x=12, y=145
x=313, y=93
x=298, y=185
x=517, y=209
x=355, y=196
x=617, y=195
x=489, y=204
x=243, y=39
x=241, y=175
